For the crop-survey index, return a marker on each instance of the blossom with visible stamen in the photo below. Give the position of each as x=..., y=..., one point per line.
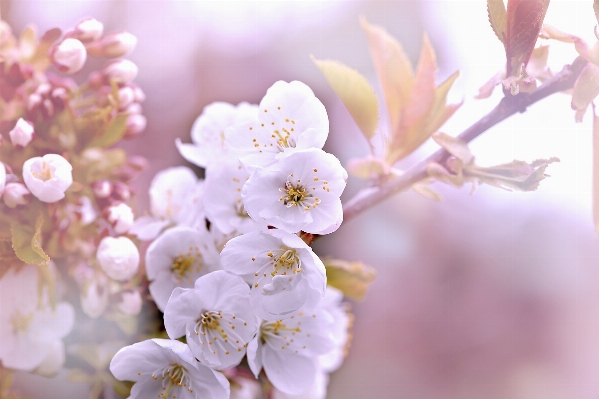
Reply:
x=208, y=131
x=167, y=369
x=215, y=317
x=300, y=192
x=284, y=274
x=48, y=177
x=288, y=350
x=290, y=118
x=176, y=259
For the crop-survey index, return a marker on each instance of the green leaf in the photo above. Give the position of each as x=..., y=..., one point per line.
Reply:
x=455, y=146
x=354, y=91
x=497, y=18
x=352, y=278
x=27, y=243
x=114, y=132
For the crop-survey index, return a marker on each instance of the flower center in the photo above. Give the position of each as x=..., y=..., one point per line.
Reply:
x=295, y=195
x=284, y=140
x=185, y=264
x=240, y=210
x=173, y=376
x=43, y=173
x=289, y=261
x=20, y=322
x=275, y=329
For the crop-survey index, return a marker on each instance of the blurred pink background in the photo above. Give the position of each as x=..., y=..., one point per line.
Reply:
x=494, y=295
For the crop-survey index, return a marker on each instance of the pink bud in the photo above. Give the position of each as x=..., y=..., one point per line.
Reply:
x=131, y=303
x=22, y=134
x=136, y=123
x=120, y=217
x=121, y=191
x=16, y=194
x=114, y=45
x=133, y=108
x=126, y=97
x=122, y=71
x=87, y=30
x=69, y=56
x=140, y=96
x=102, y=188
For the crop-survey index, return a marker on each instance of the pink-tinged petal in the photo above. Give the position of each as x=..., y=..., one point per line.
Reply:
x=289, y=373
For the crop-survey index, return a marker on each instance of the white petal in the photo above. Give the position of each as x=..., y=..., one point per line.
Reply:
x=142, y=357
x=147, y=227
x=181, y=307
x=254, y=355
x=289, y=373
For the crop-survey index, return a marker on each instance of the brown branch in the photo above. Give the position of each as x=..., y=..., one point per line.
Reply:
x=507, y=107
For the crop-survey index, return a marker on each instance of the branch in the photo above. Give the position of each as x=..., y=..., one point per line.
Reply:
x=508, y=106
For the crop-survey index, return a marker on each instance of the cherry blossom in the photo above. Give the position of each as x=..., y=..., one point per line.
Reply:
x=118, y=257
x=121, y=217
x=289, y=118
x=215, y=317
x=30, y=330
x=176, y=259
x=22, y=134
x=208, y=131
x=222, y=197
x=284, y=274
x=48, y=177
x=288, y=350
x=167, y=369
x=299, y=192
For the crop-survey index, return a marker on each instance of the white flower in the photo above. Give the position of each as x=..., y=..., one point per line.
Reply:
x=167, y=369
x=29, y=328
x=222, y=197
x=175, y=198
x=69, y=56
x=318, y=389
x=121, y=217
x=299, y=192
x=15, y=194
x=208, y=131
x=48, y=177
x=288, y=350
x=284, y=273
x=130, y=303
x=176, y=259
x=2, y=178
x=118, y=257
x=22, y=133
x=289, y=118
x=215, y=317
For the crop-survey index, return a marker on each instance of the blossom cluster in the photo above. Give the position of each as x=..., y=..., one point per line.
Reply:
x=64, y=194
x=230, y=263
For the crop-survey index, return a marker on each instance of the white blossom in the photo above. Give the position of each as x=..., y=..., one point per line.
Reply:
x=288, y=350
x=175, y=199
x=289, y=118
x=222, y=197
x=284, y=273
x=48, y=177
x=300, y=192
x=215, y=317
x=15, y=194
x=22, y=133
x=208, y=131
x=340, y=329
x=167, y=369
x=29, y=327
x=130, y=303
x=121, y=217
x=176, y=259
x=69, y=56
x=118, y=257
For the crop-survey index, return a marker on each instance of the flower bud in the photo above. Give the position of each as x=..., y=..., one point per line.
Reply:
x=102, y=188
x=94, y=296
x=114, y=45
x=136, y=124
x=22, y=133
x=121, y=71
x=121, y=191
x=118, y=257
x=69, y=56
x=87, y=30
x=126, y=97
x=15, y=194
x=130, y=303
x=48, y=177
x=120, y=217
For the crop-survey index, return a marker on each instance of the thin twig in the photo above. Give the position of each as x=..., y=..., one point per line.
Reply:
x=507, y=107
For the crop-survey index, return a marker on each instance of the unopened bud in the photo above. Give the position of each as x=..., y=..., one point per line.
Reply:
x=120, y=217
x=87, y=30
x=48, y=177
x=121, y=71
x=102, y=188
x=94, y=296
x=69, y=56
x=2, y=178
x=133, y=108
x=15, y=194
x=118, y=257
x=131, y=303
x=126, y=97
x=140, y=96
x=136, y=123
x=113, y=45
x=121, y=191
x=22, y=134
